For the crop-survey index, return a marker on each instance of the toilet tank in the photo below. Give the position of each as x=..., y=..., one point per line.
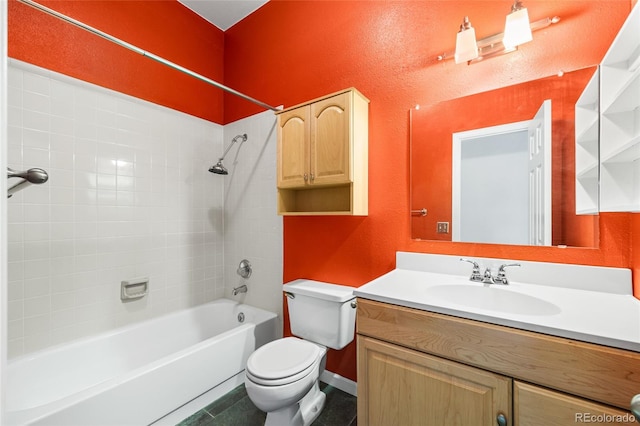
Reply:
x=321, y=312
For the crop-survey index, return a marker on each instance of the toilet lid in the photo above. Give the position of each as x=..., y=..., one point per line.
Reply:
x=282, y=358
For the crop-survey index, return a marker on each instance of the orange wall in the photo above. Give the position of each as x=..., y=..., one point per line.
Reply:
x=291, y=51
x=165, y=28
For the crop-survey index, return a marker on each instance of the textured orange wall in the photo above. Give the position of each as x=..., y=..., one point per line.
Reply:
x=290, y=51
x=165, y=28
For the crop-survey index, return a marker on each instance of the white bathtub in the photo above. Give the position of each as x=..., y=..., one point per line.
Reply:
x=136, y=374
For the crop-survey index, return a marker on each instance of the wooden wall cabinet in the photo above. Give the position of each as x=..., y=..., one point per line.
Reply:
x=423, y=368
x=322, y=159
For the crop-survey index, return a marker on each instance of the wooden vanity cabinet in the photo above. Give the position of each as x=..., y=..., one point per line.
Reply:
x=322, y=156
x=535, y=406
x=426, y=368
x=404, y=387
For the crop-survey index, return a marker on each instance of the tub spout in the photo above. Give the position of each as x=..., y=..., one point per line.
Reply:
x=241, y=289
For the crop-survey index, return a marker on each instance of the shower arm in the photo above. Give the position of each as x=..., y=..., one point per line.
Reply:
x=142, y=52
x=234, y=140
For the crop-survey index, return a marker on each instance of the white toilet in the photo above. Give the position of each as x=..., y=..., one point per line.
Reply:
x=282, y=376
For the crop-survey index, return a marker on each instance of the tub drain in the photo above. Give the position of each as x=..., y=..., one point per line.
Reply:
x=240, y=317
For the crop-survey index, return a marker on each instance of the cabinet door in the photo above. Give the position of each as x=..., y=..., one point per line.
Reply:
x=399, y=386
x=293, y=147
x=330, y=140
x=535, y=406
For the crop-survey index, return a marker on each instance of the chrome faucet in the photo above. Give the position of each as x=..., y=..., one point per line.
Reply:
x=487, y=277
x=241, y=289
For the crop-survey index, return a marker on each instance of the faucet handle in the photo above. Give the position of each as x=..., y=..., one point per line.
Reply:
x=475, y=272
x=502, y=276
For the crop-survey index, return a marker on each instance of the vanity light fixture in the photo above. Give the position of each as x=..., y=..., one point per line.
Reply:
x=497, y=44
x=466, y=45
x=517, y=28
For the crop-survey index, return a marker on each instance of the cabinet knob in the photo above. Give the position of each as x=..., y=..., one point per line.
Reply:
x=635, y=406
x=501, y=420
x=306, y=178
x=312, y=176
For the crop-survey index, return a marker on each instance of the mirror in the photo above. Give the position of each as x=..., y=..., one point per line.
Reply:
x=452, y=140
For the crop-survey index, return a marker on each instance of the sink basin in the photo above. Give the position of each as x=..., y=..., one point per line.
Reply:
x=492, y=298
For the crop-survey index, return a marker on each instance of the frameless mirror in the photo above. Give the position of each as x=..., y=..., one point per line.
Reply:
x=499, y=166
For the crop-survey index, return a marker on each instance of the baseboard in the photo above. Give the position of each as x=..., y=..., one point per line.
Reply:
x=339, y=382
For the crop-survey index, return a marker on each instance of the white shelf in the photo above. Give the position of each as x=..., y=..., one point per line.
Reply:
x=589, y=172
x=626, y=153
x=620, y=120
x=627, y=97
x=587, y=129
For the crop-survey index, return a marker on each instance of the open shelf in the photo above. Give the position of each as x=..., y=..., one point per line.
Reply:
x=620, y=120
x=587, y=130
x=334, y=200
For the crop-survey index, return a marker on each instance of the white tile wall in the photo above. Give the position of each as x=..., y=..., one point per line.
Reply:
x=253, y=230
x=129, y=194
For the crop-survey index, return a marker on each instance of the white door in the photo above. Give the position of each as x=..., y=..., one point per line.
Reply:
x=540, y=176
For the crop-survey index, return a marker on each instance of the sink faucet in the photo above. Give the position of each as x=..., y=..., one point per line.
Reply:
x=241, y=289
x=487, y=277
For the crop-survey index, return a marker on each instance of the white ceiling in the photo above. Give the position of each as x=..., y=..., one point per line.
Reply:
x=223, y=13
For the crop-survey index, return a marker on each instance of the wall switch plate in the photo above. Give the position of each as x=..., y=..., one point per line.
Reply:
x=442, y=227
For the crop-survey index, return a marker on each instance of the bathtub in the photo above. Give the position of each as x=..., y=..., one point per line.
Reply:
x=136, y=374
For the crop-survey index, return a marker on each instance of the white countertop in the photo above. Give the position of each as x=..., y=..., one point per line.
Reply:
x=609, y=315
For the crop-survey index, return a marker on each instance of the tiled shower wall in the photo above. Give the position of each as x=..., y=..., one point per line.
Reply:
x=253, y=230
x=129, y=195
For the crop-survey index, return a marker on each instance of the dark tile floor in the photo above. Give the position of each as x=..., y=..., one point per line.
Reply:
x=236, y=409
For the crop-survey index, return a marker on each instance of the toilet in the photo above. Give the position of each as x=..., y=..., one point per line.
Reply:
x=282, y=376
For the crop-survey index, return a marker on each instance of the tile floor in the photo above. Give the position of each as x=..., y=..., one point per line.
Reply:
x=236, y=409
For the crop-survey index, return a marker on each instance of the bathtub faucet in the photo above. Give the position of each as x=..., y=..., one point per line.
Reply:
x=241, y=289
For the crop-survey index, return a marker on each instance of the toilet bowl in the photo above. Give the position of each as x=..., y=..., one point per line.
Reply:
x=282, y=380
x=282, y=376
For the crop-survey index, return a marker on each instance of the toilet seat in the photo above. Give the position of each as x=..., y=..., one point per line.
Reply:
x=283, y=361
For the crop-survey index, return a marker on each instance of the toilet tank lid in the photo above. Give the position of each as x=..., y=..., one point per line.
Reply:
x=321, y=290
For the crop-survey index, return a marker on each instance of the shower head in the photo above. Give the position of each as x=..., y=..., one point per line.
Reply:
x=219, y=168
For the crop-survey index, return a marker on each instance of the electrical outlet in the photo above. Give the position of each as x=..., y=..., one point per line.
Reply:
x=442, y=227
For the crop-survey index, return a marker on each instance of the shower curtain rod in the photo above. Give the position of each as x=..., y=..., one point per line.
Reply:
x=143, y=52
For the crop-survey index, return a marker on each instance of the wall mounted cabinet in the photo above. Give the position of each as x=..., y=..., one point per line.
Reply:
x=322, y=159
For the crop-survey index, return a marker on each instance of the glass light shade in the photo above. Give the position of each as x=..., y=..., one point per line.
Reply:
x=466, y=46
x=517, y=29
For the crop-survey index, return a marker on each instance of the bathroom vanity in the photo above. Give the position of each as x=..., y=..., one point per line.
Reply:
x=563, y=352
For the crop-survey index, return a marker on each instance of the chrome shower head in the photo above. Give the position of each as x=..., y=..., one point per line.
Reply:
x=219, y=169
